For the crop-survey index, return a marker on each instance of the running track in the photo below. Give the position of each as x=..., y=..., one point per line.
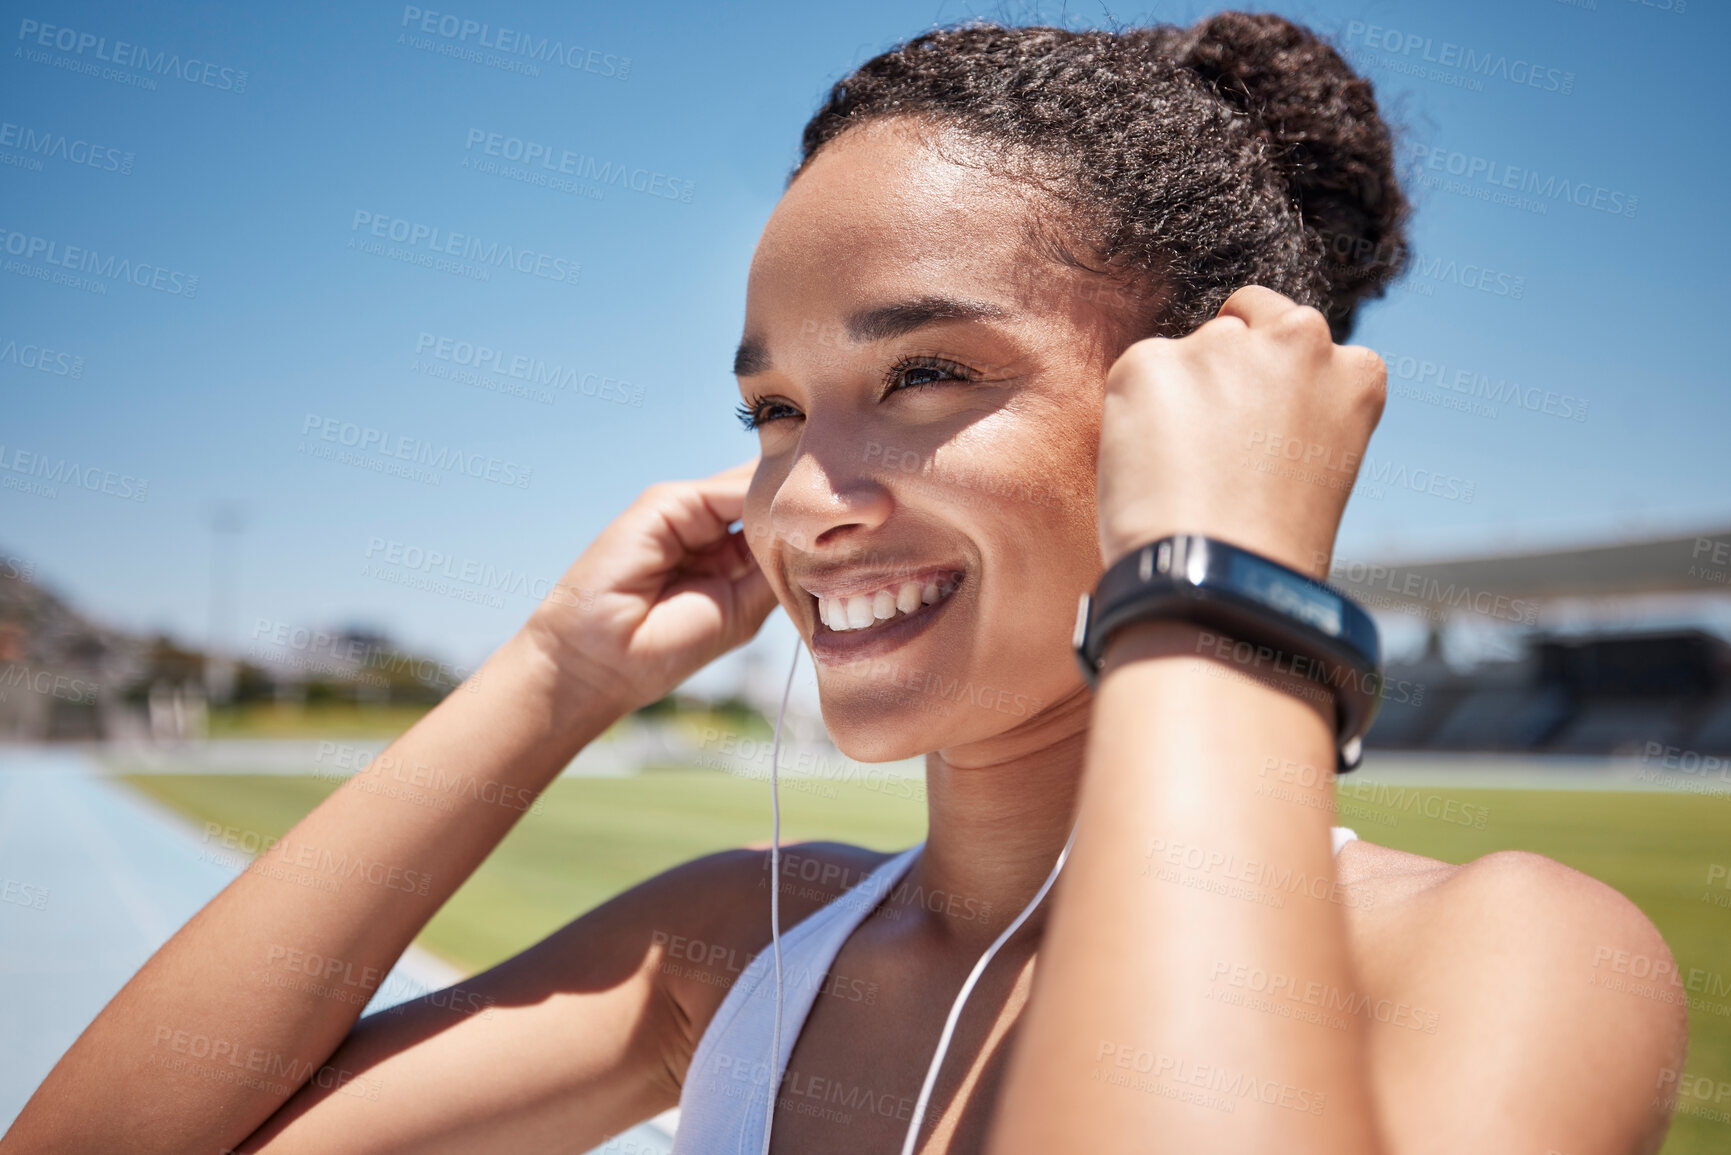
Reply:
x=94, y=879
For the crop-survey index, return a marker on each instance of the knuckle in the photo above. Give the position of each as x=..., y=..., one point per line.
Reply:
x=1252, y=292
x=1219, y=327
x=1367, y=361
x=1369, y=374
x=1305, y=324
x=1148, y=348
x=1237, y=297
x=1376, y=398
x=1137, y=360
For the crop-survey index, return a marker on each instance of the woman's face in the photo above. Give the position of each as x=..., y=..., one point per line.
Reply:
x=927, y=388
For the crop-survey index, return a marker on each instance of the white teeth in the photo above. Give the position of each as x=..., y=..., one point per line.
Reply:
x=908, y=598
x=862, y=611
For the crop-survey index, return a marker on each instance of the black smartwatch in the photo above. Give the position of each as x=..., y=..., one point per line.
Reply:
x=1272, y=618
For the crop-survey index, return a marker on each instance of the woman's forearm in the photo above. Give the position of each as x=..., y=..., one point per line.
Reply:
x=220, y=1027
x=1203, y=856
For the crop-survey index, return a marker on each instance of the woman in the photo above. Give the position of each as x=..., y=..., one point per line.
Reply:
x=1032, y=299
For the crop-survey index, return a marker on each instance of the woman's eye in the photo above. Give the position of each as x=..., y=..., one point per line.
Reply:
x=907, y=373
x=924, y=375
x=759, y=411
x=919, y=372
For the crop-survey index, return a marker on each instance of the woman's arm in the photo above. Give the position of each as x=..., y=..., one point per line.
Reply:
x=556, y=1049
x=1180, y=875
x=1180, y=871
x=200, y=1048
x=1203, y=851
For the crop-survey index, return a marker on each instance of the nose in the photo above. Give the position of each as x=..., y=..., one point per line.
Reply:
x=829, y=498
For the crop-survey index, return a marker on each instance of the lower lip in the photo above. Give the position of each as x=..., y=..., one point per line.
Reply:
x=832, y=648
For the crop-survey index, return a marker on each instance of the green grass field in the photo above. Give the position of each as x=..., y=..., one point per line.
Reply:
x=316, y=720
x=594, y=837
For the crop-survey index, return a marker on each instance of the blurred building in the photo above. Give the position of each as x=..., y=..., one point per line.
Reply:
x=59, y=671
x=1600, y=650
x=66, y=677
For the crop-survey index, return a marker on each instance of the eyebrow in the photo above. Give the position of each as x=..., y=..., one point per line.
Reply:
x=881, y=324
x=751, y=357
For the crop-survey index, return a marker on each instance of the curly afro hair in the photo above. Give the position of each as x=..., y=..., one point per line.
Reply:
x=1191, y=161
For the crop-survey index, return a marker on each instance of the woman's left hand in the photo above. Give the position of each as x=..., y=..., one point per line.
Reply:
x=1250, y=429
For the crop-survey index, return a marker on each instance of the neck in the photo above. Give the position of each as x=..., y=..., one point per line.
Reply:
x=998, y=814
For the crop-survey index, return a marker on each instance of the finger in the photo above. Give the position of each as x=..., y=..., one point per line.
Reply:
x=1368, y=375
x=753, y=601
x=745, y=468
x=724, y=492
x=734, y=477
x=731, y=558
x=696, y=514
x=1256, y=305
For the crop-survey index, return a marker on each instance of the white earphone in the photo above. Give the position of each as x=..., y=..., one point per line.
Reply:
x=775, y=939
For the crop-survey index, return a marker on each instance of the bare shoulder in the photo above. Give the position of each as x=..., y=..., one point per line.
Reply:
x=1519, y=899
x=1519, y=977
x=721, y=900
x=702, y=922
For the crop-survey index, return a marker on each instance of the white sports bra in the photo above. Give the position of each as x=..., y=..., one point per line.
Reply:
x=722, y=1104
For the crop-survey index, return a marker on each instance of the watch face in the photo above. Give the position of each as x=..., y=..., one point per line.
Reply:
x=1279, y=590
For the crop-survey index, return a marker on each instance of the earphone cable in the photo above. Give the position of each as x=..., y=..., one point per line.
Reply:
x=775, y=939
x=968, y=989
x=775, y=890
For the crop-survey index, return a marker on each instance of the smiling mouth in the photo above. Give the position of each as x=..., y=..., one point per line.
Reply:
x=887, y=605
x=912, y=604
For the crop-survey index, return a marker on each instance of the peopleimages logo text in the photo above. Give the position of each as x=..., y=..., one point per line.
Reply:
x=59, y=146
x=40, y=358
x=1488, y=64
x=87, y=260
x=513, y=42
x=432, y=239
x=58, y=471
x=1482, y=386
x=127, y=55
x=364, y=439
x=565, y=162
x=1476, y=170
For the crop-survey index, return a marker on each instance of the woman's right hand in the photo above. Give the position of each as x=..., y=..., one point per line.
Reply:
x=663, y=591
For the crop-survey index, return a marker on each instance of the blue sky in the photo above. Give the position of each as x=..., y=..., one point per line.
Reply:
x=353, y=117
